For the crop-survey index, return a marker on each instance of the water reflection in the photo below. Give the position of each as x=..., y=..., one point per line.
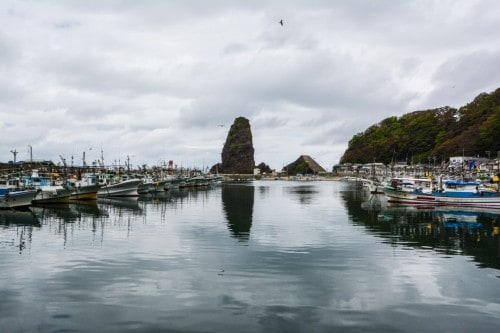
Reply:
x=99, y=217
x=18, y=218
x=120, y=205
x=19, y=226
x=263, y=191
x=85, y=209
x=57, y=212
x=174, y=199
x=237, y=201
x=304, y=193
x=177, y=196
x=449, y=230
x=69, y=213
x=307, y=267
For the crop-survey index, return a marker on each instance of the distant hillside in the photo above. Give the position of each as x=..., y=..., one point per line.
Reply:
x=421, y=136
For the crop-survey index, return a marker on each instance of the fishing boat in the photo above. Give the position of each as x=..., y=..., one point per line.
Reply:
x=450, y=193
x=163, y=185
x=84, y=188
x=50, y=190
x=52, y=194
x=467, y=194
x=147, y=186
x=13, y=194
x=16, y=199
x=371, y=185
x=120, y=187
x=411, y=185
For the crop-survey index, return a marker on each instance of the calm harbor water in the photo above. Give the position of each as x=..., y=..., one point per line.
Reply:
x=275, y=256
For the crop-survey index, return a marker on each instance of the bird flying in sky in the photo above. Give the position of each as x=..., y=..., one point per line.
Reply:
x=281, y=22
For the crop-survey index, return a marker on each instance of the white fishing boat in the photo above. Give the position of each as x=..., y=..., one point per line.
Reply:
x=16, y=199
x=411, y=185
x=11, y=183
x=84, y=188
x=120, y=187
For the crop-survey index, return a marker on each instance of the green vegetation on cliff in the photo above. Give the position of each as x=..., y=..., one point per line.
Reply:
x=437, y=134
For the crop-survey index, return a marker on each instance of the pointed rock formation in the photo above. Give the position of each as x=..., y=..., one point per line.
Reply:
x=304, y=165
x=238, y=152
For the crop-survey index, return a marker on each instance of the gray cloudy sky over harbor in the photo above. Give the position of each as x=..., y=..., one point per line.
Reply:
x=155, y=80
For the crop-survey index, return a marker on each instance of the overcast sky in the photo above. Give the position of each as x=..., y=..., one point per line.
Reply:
x=156, y=80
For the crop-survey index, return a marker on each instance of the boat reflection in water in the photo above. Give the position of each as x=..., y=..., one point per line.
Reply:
x=452, y=230
x=120, y=204
x=23, y=217
x=69, y=213
x=17, y=228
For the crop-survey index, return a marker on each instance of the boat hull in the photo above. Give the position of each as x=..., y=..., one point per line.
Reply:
x=475, y=200
x=88, y=192
x=17, y=199
x=440, y=199
x=146, y=188
x=48, y=196
x=163, y=185
x=127, y=188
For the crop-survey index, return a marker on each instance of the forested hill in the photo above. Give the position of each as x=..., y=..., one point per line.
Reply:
x=473, y=130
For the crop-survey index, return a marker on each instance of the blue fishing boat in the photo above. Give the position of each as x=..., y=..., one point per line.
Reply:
x=450, y=193
x=50, y=190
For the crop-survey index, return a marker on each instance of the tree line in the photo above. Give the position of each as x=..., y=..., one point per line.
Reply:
x=431, y=135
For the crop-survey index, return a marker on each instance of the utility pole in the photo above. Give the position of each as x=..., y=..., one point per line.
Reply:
x=31, y=153
x=102, y=158
x=14, y=152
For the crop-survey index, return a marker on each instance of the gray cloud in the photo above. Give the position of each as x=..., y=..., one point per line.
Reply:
x=155, y=79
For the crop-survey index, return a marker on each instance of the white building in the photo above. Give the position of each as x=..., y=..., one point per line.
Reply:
x=460, y=159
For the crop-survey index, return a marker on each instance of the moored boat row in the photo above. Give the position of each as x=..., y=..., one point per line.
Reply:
x=444, y=192
x=22, y=191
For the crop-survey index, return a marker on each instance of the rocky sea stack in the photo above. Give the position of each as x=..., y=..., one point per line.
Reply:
x=238, y=152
